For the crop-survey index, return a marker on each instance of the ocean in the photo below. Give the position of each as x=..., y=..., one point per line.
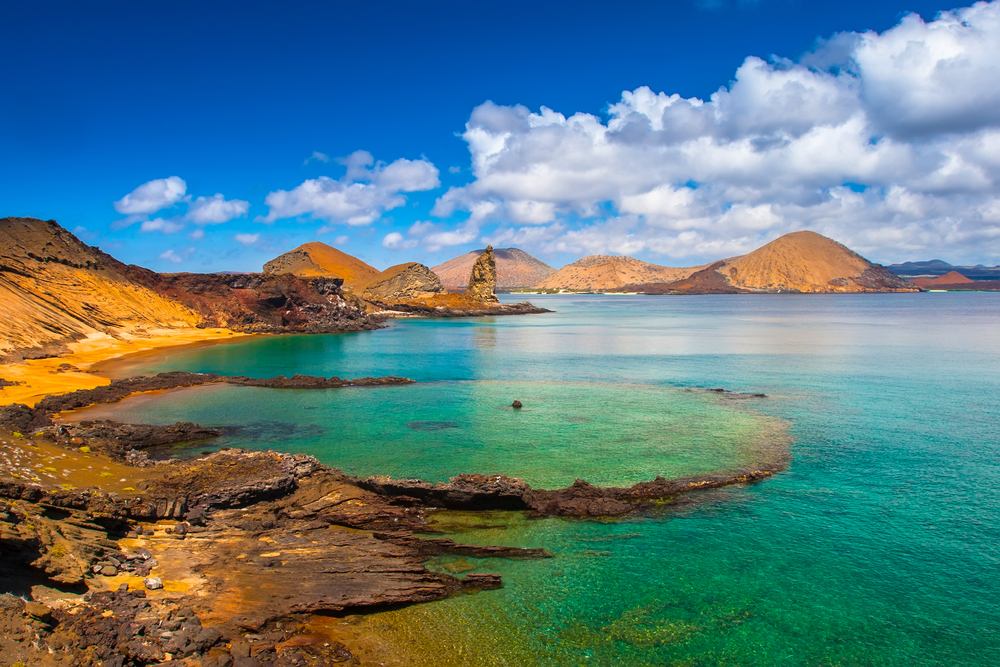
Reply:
x=878, y=545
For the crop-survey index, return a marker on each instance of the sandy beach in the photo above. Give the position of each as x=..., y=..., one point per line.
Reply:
x=39, y=378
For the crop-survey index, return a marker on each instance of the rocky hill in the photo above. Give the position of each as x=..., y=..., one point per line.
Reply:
x=515, y=269
x=318, y=260
x=55, y=288
x=604, y=273
x=808, y=262
x=402, y=282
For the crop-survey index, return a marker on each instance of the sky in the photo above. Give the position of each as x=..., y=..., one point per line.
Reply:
x=191, y=136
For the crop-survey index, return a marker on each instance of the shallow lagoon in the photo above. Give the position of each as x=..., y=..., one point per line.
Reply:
x=878, y=546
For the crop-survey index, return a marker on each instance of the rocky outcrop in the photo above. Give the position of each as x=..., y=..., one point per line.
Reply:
x=403, y=282
x=318, y=260
x=515, y=269
x=257, y=303
x=483, y=280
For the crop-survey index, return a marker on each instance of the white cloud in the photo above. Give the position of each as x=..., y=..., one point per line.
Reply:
x=366, y=191
x=215, y=210
x=341, y=240
x=176, y=258
x=247, y=239
x=887, y=142
x=321, y=157
x=152, y=196
x=197, y=234
x=454, y=169
x=395, y=241
x=161, y=225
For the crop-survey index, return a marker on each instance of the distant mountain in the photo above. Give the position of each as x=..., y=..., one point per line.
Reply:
x=515, y=268
x=809, y=262
x=604, y=273
x=797, y=262
x=936, y=267
x=948, y=279
x=315, y=259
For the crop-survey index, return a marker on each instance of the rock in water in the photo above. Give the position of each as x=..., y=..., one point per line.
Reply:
x=483, y=281
x=515, y=404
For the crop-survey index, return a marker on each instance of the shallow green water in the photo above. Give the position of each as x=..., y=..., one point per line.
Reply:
x=878, y=546
x=608, y=434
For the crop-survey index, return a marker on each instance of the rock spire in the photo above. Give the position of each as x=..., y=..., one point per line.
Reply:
x=483, y=281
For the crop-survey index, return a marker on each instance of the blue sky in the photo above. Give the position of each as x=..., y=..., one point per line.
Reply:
x=419, y=131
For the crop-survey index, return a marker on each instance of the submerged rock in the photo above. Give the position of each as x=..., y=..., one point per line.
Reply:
x=516, y=405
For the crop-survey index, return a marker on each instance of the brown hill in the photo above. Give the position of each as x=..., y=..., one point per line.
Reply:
x=601, y=273
x=515, y=269
x=948, y=279
x=54, y=288
x=809, y=262
x=315, y=260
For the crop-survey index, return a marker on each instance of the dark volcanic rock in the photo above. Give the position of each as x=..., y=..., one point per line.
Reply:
x=261, y=303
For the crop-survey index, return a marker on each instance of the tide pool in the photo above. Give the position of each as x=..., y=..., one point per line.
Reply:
x=877, y=546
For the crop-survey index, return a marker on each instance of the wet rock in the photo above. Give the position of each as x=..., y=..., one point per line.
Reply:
x=516, y=404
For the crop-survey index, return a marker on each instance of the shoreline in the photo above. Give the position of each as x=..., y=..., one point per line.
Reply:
x=83, y=367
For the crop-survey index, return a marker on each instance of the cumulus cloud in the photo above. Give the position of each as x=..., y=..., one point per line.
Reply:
x=175, y=257
x=216, y=209
x=888, y=142
x=152, y=196
x=395, y=241
x=247, y=239
x=161, y=225
x=366, y=191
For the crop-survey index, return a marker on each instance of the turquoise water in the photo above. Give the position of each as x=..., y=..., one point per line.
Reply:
x=878, y=546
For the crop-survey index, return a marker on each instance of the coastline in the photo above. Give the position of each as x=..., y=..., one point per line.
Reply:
x=206, y=560
x=84, y=366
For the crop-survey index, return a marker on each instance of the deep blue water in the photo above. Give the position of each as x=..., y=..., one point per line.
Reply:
x=878, y=546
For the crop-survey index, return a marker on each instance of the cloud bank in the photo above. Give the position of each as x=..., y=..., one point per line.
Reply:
x=887, y=142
